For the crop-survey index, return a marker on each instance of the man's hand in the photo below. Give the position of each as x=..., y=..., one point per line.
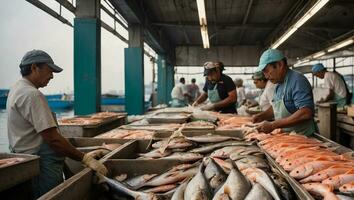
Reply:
x=99, y=153
x=208, y=107
x=256, y=118
x=94, y=164
x=266, y=127
x=195, y=104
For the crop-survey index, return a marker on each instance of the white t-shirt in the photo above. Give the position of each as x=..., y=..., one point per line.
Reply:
x=266, y=97
x=241, y=95
x=28, y=115
x=334, y=82
x=178, y=91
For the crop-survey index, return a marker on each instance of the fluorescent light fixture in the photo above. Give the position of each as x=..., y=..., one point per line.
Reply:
x=341, y=44
x=319, y=54
x=312, y=11
x=203, y=23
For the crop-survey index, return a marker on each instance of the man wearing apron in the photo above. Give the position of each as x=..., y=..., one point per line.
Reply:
x=292, y=106
x=339, y=91
x=32, y=127
x=219, y=89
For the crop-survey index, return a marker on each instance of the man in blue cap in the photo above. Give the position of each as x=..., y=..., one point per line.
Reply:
x=292, y=106
x=32, y=127
x=339, y=91
x=219, y=89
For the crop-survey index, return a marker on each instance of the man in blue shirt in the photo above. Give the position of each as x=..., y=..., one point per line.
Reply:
x=292, y=106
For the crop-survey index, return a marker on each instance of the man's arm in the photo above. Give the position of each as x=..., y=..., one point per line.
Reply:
x=201, y=99
x=265, y=115
x=60, y=145
x=297, y=117
x=227, y=101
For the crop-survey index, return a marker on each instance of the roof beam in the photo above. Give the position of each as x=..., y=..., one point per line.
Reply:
x=250, y=2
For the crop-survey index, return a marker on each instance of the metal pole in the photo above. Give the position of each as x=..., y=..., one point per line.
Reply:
x=334, y=64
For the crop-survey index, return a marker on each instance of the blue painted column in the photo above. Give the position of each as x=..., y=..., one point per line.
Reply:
x=87, y=57
x=161, y=80
x=170, y=81
x=134, y=71
x=134, y=80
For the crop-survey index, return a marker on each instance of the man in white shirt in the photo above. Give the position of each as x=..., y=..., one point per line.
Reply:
x=267, y=87
x=241, y=94
x=335, y=82
x=180, y=94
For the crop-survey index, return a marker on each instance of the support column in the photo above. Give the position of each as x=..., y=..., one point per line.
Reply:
x=134, y=71
x=170, y=82
x=87, y=57
x=161, y=80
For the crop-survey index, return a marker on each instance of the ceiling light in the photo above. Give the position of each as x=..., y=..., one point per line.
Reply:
x=319, y=54
x=203, y=23
x=312, y=11
x=341, y=44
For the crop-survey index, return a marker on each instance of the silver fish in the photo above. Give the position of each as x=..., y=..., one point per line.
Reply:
x=344, y=197
x=121, y=188
x=250, y=161
x=185, y=156
x=198, y=188
x=156, y=153
x=211, y=147
x=236, y=186
x=258, y=193
x=179, y=193
x=214, y=174
x=161, y=188
x=210, y=138
x=174, y=143
x=224, y=152
x=138, y=181
x=283, y=186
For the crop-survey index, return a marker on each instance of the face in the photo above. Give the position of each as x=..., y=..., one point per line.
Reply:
x=213, y=76
x=320, y=74
x=42, y=75
x=260, y=84
x=275, y=74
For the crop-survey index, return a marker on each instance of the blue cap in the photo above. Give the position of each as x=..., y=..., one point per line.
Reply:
x=269, y=56
x=317, y=68
x=39, y=56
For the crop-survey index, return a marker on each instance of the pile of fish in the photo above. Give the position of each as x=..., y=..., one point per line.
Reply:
x=200, y=125
x=106, y=115
x=216, y=167
x=232, y=122
x=9, y=161
x=94, y=119
x=104, y=146
x=321, y=171
x=153, y=127
x=127, y=134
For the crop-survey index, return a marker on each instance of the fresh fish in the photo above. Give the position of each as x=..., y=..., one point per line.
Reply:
x=10, y=161
x=251, y=150
x=320, y=189
x=198, y=188
x=179, y=193
x=184, y=166
x=236, y=186
x=347, y=188
x=326, y=173
x=160, y=189
x=224, y=164
x=344, y=197
x=283, y=186
x=156, y=153
x=185, y=156
x=244, y=162
x=259, y=176
x=339, y=180
x=310, y=168
x=174, y=143
x=209, y=148
x=171, y=177
x=292, y=164
x=258, y=193
x=138, y=181
x=210, y=138
x=224, y=152
x=214, y=174
x=121, y=188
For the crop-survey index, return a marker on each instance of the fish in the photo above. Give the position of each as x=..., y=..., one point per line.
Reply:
x=326, y=173
x=339, y=180
x=258, y=193
x=320, y=189
x=259, y=176
x=198, y=187
x=138, y=181
x=179, y=193
x=121, y=177
x=10, y=161
x=236, y=186
x=184, y=166
x=214, y=174
x=224, y=164
x=224, y=152
x=249, y=161
x=121, y=188
x=285, y=189
x=156, y=153
x=343, y=197
x=211, y=147
x=347, y=188
x=174, y=143
x=210, y=138
x=184, y=156
x=161, y=188
x=310, y=168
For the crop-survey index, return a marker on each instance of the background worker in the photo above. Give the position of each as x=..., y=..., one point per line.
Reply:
x=334, y=81
x=241, y=94
x=32, y=127
x=267, y=87
x=292, y=106
x=180, y=94
x=219, y=89
x=193, y=91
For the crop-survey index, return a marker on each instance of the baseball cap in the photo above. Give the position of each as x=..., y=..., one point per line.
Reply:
x=258, y=76
x=317, y=67
x=39, y=56
x=269, y=56
x=209, y=67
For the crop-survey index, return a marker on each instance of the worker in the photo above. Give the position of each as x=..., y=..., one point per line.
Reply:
x=241, y=94
x=334, y=81
x=33, y=129
x=219, y=89
x=180, y=94
x=267, y=87
x=193, y=90
x=292, y=106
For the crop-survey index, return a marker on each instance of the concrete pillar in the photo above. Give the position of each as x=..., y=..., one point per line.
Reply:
x=87, y=57
x=161, y=80
x=134, y=71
